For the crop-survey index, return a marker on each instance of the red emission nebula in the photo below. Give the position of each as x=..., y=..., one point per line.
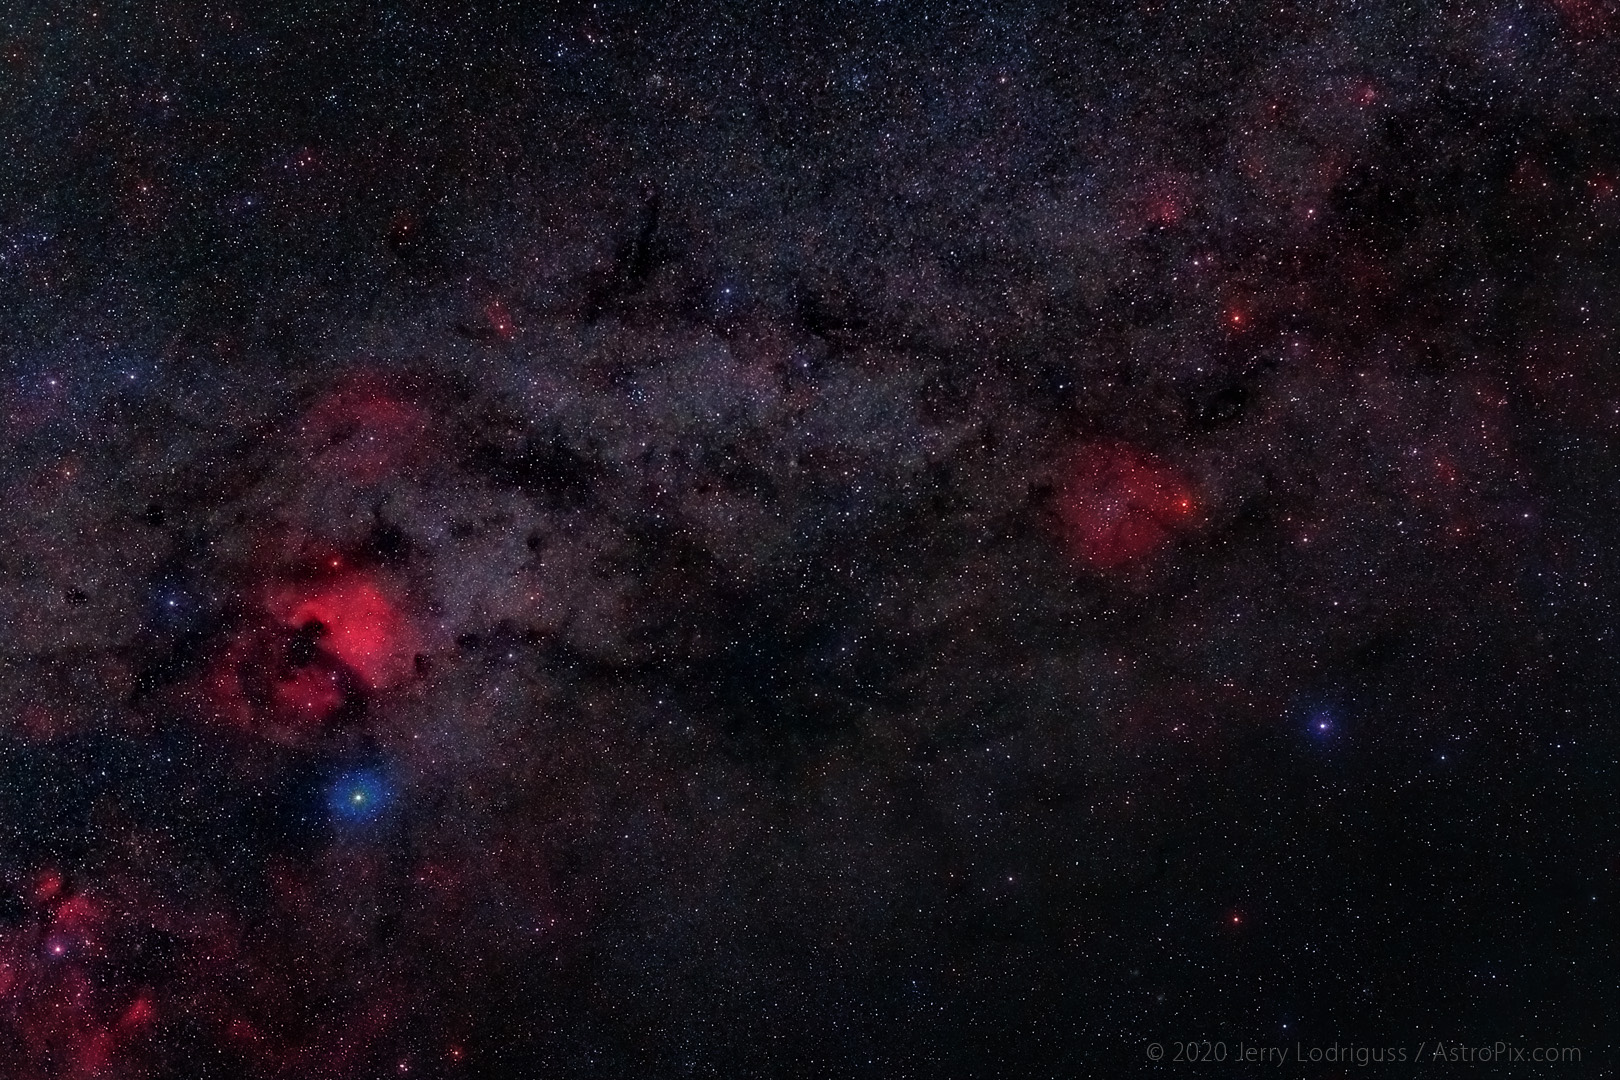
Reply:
x=1117, y=507
x=320, y=646
x=358, y=624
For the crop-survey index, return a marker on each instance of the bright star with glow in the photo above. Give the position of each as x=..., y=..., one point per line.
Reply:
x=1321, y=719
x=359, y=796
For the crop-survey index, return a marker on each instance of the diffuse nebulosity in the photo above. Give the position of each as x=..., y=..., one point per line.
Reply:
x=613, y=540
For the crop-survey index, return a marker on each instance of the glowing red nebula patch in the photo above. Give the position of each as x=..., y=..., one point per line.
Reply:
x=138, y=1015
x=59, y=1022
x=364, y=429
x=264, y=684
x=1588, y=18
x=1117, y=507
x=324, y=643
x=1164, y=200
x=500, y=320
x=76, y=914
x=47, y=886
x=359, y=625
x=310, y=694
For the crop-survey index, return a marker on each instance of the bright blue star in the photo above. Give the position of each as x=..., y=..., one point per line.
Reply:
x=174, y=609
x=1322, y=721
x=360, y=796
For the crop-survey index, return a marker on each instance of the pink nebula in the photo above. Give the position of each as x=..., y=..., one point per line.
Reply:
x=1116, y=506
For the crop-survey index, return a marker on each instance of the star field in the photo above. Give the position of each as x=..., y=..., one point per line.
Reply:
x=846, y=539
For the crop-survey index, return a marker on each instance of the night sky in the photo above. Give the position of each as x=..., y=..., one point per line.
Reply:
x=883, y=539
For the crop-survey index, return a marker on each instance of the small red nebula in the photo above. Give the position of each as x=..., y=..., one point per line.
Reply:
x=263, y=684
x=1164, y=211
x=500, y=321
x=358, y=624
x=77, y=913
x=243, y=1032
x=1117, y=506
x=94, y=1055
x=1589, y=18
x=1164, y=200
x=47, y=886
x=364, y=429
x=139, y=1014
x=38, y=722
x=310, y=694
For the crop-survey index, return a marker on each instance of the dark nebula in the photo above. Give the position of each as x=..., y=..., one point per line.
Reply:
x=828, y=539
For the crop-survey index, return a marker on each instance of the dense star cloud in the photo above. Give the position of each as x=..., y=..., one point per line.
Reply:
x=847, y=539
